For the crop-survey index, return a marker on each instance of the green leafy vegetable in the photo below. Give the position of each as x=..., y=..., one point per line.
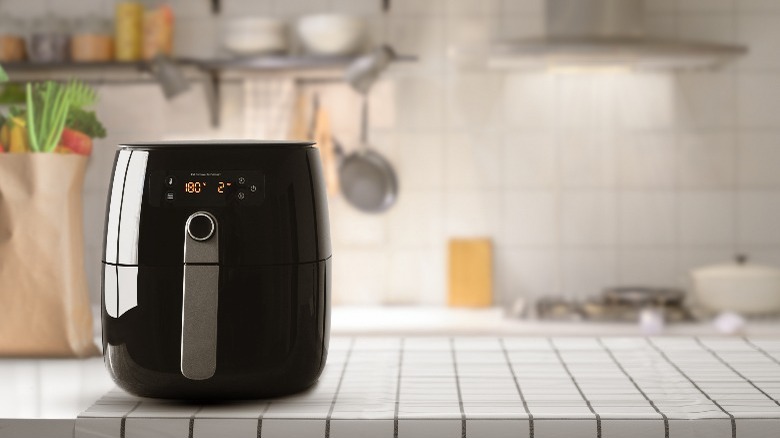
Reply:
x=86, y=122
x=3, y=75
x=11, y=94
x=48, y=105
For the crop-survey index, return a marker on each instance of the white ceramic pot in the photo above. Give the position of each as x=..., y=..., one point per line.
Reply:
x=331, y=34
x=738, y=287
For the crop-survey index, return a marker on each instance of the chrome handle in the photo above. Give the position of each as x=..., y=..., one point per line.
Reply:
x=200, y=297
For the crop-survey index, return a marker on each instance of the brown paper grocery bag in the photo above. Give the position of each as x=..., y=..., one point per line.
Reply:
x=44, y=302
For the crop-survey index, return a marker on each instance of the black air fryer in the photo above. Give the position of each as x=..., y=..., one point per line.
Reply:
x=217, y=265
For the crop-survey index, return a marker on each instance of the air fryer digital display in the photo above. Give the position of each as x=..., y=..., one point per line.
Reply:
x=207, y=188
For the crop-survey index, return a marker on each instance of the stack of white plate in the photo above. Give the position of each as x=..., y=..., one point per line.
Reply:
x=247, y=36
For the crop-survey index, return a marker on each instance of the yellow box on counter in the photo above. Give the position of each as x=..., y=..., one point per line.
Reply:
x=470, y=272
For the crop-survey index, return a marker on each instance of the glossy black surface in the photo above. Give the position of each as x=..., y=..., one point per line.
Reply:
x=274, y=275
x=272, y=334
x=290, y=225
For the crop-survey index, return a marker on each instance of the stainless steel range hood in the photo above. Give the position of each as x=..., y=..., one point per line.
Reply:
x=606, y=34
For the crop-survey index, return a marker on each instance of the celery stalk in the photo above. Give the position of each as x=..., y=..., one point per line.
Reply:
x=31, y=126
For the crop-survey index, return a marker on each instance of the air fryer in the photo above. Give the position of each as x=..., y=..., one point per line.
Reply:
x=216, y=269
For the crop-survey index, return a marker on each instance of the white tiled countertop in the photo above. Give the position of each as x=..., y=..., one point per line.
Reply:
x=493, y=387
x=41, y=398
x=442, y=387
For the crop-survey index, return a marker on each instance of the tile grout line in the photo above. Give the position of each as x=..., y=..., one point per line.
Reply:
x=398, y=389
x=260, y=420
x=742, y=376
x=191, y=431
x=764, y=352
x=577, y=385
x=457, y=386
x=338, y=388
x=123, y=421
x=679, y=370
x=519, y=391
x=636, y=385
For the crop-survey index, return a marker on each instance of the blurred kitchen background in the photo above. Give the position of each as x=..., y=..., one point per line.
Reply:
x=583, y=180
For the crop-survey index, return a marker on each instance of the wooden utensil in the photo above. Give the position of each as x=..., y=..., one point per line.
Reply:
x=299, y=128
x=323, y=135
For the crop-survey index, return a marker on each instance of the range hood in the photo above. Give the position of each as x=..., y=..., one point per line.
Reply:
x=606, y=34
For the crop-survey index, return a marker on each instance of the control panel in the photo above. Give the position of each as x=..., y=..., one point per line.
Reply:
x=206, y=188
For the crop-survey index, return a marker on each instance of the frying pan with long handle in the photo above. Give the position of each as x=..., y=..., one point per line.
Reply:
x=367, y=180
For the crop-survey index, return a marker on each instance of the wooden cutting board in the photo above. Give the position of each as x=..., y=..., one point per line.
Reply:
x=470, y=272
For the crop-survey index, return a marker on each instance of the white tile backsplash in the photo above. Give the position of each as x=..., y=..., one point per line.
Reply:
x=587, y=158
x=352, y=228
x=647, y=218
x=475, y=99
x=589, y=218
x=420, y=160
x=473, y=213
x=706, y=218
x=656, y=266
x=646, y=160
x=529, y=218
x=758, y=105
x=586, y=272
x=758, y=217
x=582, y=180
x=706, y=99
x=417, y=220
x=419, y=35
x=530, y=160
x=420, y=102
x=707, y=160
x=645, y=101
x=416, y=276
x=528, y=273
x=529, y=100
x=759, y=159
x=586, y=101
x=360, y=276
x=472, y=159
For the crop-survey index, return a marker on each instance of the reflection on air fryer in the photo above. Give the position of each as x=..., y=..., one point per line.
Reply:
x=226, y=293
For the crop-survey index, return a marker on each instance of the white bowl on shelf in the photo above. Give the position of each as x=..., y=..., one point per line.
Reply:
x=331, y=34
x=248, y=36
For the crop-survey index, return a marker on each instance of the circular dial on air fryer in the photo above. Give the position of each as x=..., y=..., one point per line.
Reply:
x=200, y=226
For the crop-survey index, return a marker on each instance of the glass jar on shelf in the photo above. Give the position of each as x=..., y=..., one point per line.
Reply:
x=92, y=40
x=11, y=39
x=48, y=40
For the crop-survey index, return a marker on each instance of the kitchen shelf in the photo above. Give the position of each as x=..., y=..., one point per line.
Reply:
x=210, y=72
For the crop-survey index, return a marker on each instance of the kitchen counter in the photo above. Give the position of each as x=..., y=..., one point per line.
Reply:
x=42, y=398
x=441, y=387
x=444, y=321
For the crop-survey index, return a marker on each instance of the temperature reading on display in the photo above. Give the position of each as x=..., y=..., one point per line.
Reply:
x=221, y=186
x=194, y=186
x=209, y=188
